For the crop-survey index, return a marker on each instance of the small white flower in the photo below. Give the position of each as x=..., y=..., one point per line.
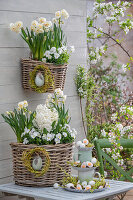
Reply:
x=64, y=134
x=93, y=160
x=53, y=50
x=88, y=187
x=44, y=60
x=47, y=24
x=57, y=140
x=58, y=136
x=64, y=13
x=82, y=145
x=72, y=49
x=126, y=30
x=64, y=48
x=103, y=133
x=58, y=14
x=105, y=174
x=84, y=184
x=79, y=187
x=56, y=55
x=60, y=50
x=89, y=164
x=54, y=20
x=124, y=67
x=49, y=137
x=42, y=20
x=100, y=187
x=56, y=186
x=47, y=53
x=92, y=183
x=25, y=141
x=114, y=117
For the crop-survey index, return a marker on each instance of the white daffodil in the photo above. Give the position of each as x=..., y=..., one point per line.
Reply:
x=58, y=14
x=64, y=13
x=42, y=20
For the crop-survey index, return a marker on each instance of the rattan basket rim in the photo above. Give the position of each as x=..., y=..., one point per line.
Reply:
x=51, y=65
x=35, y=145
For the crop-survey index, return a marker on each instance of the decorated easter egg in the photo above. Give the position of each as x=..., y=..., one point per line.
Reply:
x=37, y=163
x=39, y=79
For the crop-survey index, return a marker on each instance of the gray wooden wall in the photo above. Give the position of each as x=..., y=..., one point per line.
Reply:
x=12, y=48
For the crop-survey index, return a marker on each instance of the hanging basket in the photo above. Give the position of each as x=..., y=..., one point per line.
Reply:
x=52, y=157
x=58, y=73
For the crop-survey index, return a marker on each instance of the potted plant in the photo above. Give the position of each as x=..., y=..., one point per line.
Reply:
x=48, y=46
x=44, y=141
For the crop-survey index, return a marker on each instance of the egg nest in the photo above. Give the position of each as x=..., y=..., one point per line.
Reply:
x=74, y=180
x=48, y=79
x=27, y=156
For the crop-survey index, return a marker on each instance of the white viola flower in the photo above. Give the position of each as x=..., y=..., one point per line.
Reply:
x=44, y=60
x=72, y=134
x=108, y=150
x=49, y=57
x=26, y=130
x=56, y=55
x=60, y=50
x=42, y=20
x=64, y=134
x=64, y=48
x=25, y=141
x=84, y=184
x=53, y=50
x=47, y=53
x=58, y=14
x=49, y=137
x=58, y=136
x=85, y=141
x=103, y=133
x=79, y=187
x=64, y=13
x=57, y=140
x=54, y=20
x=93, y=160
x=47, y=24
x=78, y=143
x=121, y=147
x=56, y=186
x=44, y=137
x=124, y=68
x=70, y=185
x=72, y=49
x=91, y=182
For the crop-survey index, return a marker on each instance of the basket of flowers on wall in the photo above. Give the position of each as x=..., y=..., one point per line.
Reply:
x=46, y=68
x=44, y=141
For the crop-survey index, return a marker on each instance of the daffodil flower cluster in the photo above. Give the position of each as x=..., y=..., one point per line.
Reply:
x=45, y=38
x=48, y=124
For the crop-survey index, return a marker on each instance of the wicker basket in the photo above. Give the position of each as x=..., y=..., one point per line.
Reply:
x=59, y=155
x=58, y=72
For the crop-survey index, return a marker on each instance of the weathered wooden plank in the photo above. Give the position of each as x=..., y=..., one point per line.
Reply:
x=74, y=7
